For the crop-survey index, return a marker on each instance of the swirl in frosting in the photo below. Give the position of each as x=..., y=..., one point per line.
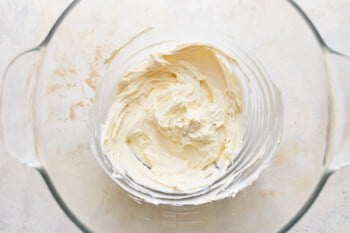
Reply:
x=175, y=124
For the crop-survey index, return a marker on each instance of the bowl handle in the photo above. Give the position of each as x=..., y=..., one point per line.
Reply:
x=17, y=107
x=338, y=151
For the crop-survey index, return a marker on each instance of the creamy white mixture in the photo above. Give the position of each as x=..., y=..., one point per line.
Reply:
x=175, y=123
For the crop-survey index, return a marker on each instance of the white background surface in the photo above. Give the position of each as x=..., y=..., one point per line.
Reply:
x=25, y=203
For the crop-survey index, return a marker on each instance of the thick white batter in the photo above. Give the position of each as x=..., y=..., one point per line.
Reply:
x=175, y=124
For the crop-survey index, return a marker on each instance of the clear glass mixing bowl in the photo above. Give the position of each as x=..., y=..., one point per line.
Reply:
x=45, y=118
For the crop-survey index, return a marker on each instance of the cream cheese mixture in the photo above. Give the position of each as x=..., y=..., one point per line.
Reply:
x=175, y=124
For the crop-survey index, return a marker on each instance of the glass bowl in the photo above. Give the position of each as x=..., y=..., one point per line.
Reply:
x=46, y=119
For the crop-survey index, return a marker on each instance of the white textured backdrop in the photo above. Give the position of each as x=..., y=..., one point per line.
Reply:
x=25, y=203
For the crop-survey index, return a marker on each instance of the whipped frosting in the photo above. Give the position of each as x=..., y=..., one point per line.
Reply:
x=175, y=124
